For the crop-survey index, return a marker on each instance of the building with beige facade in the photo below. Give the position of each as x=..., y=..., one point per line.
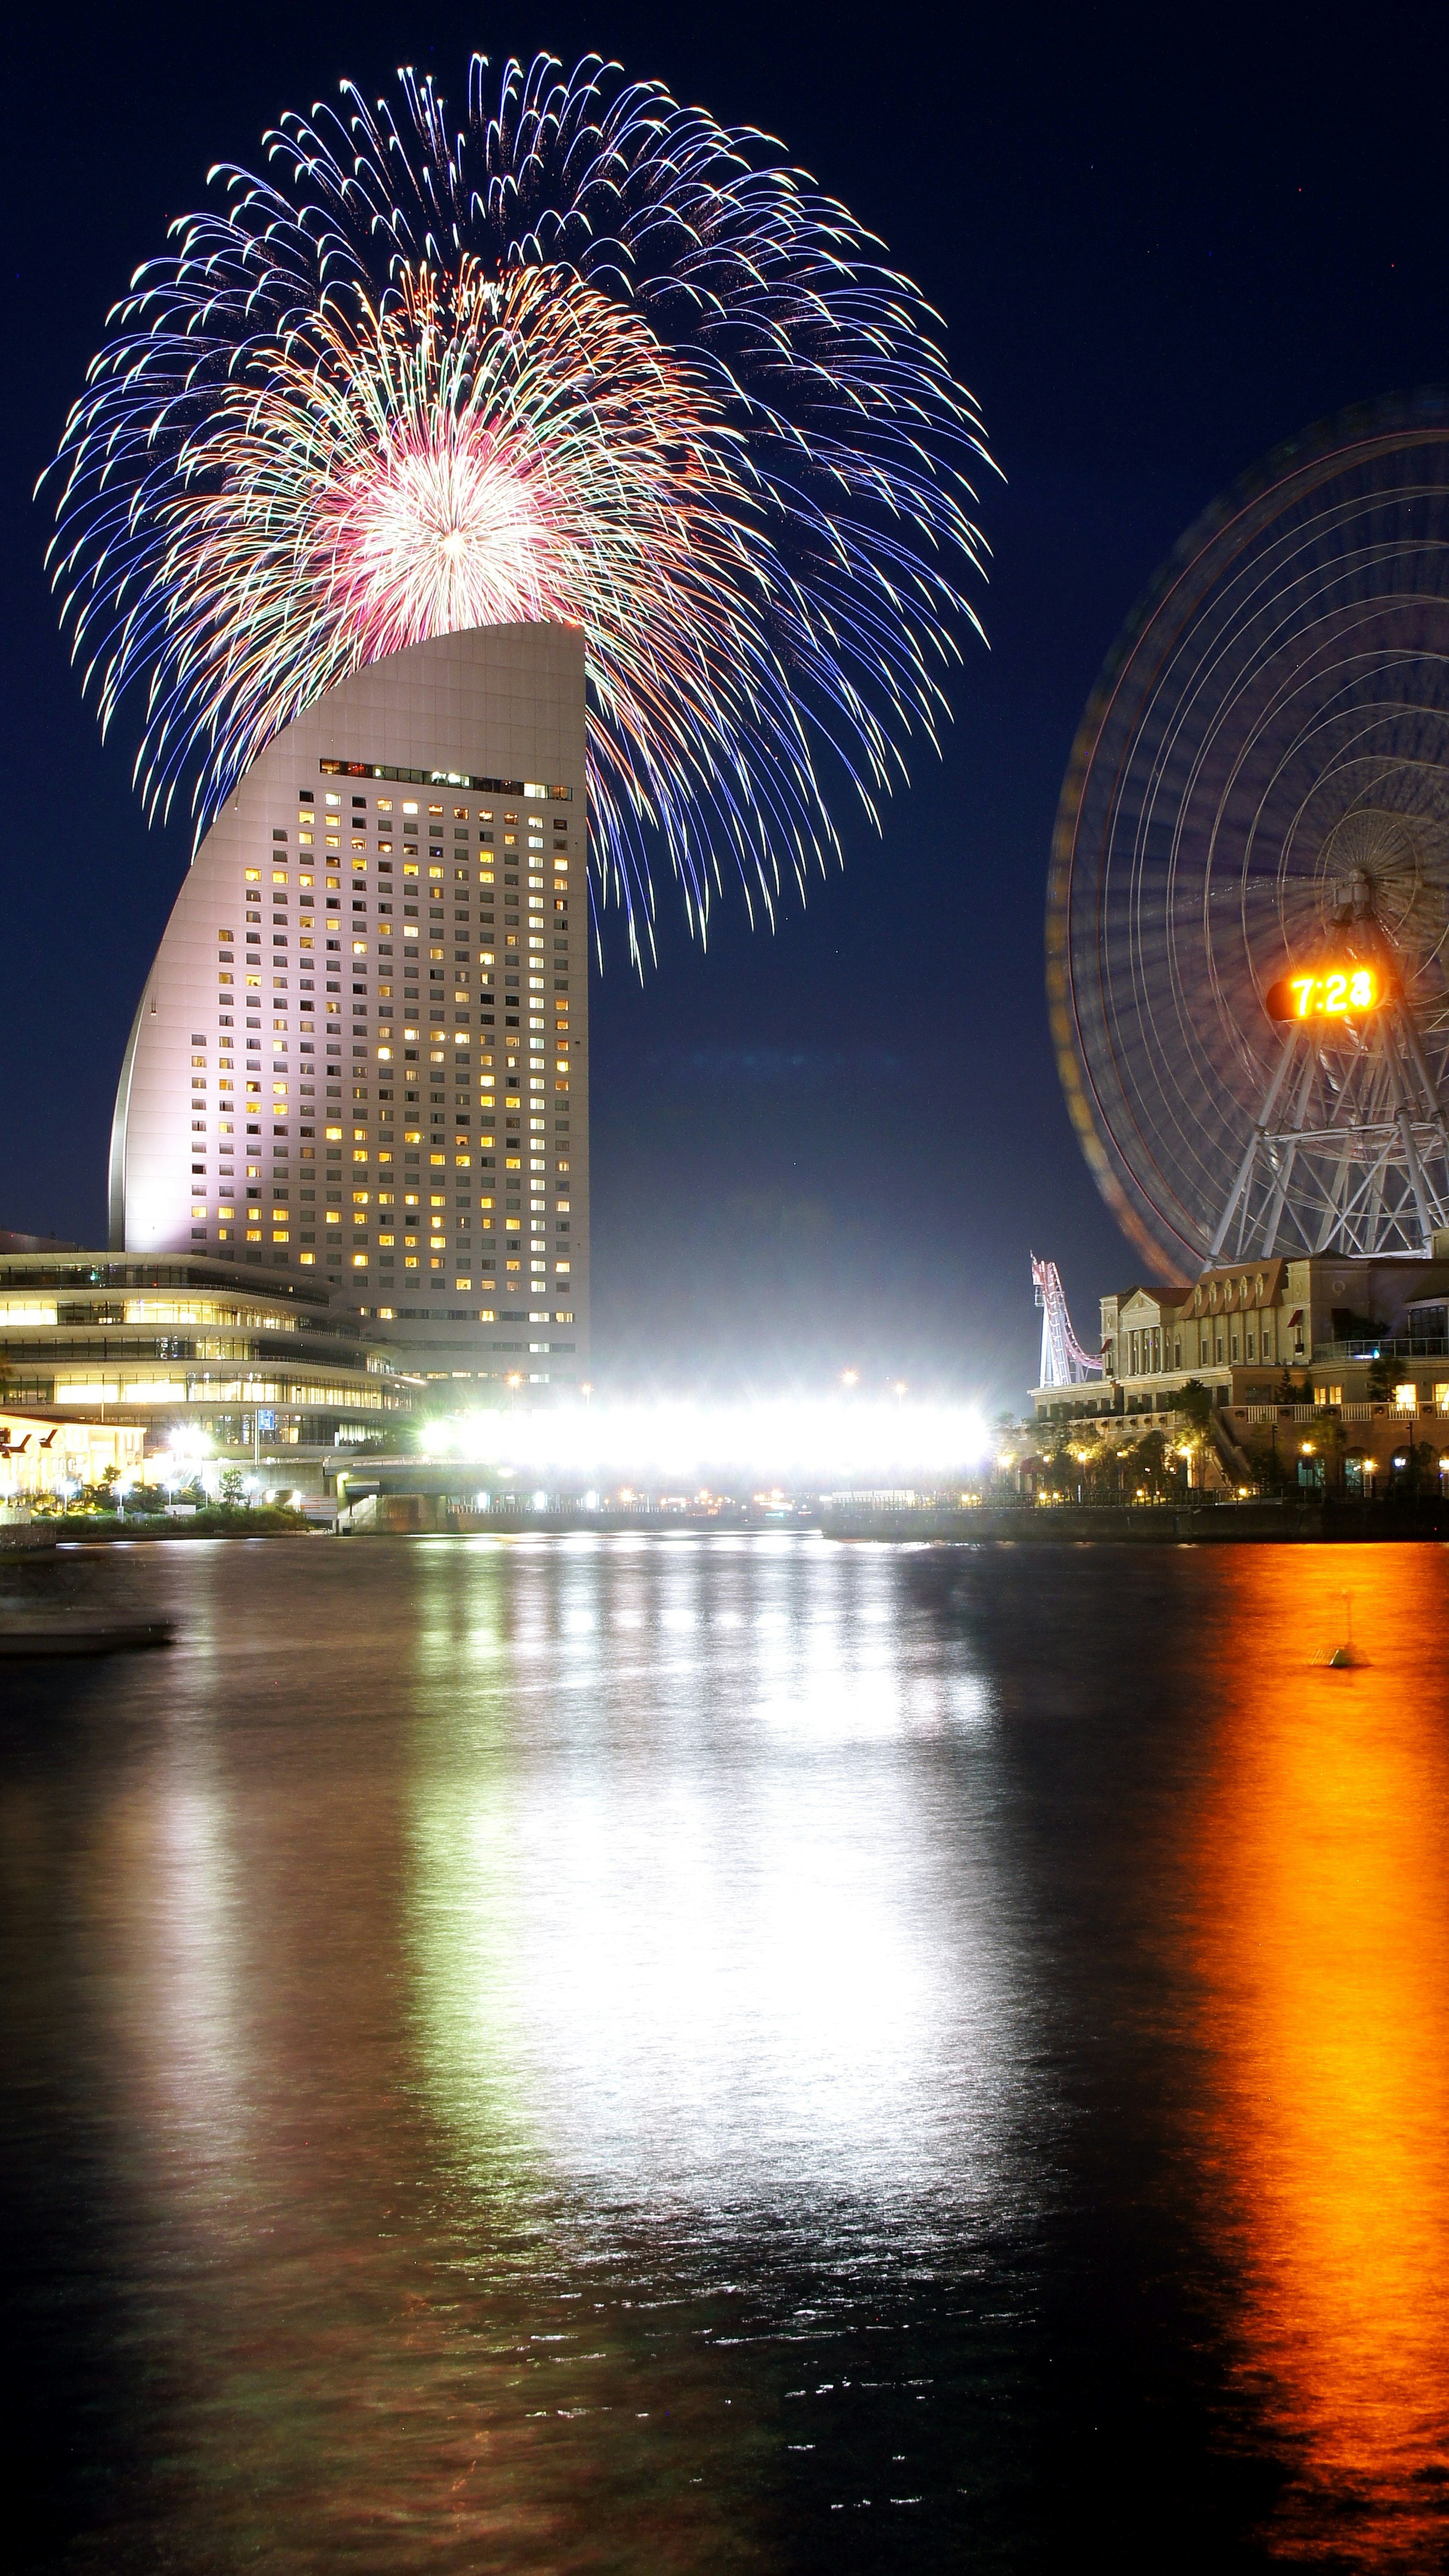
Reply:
x=1365, y=1342
x=360, y=1060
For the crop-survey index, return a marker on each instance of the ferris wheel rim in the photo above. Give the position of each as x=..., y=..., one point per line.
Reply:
x=1198, y=573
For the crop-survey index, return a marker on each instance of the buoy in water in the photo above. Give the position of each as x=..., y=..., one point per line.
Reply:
x=1344, y=1658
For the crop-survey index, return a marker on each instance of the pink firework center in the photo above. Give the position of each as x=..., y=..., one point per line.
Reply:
x=450, y=530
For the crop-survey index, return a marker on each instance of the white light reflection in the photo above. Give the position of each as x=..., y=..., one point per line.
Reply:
x=168, y=1892
x=717, y=1916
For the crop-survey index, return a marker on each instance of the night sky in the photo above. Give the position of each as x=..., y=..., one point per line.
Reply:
x=1155, y=256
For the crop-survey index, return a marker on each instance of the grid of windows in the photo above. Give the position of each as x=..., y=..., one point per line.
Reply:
x=442, y=935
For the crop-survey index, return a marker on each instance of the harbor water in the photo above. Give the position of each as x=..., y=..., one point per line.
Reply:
x=729, y=2051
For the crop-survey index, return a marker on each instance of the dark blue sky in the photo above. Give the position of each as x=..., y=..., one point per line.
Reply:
x=1158, y=249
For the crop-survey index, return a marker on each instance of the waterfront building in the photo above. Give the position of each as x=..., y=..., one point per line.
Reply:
x=360, y=1060
x=269, y=1371
x=1365, y=1341
x=44, y=1454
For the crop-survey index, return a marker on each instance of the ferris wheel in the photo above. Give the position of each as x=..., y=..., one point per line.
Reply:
x=1248, y=914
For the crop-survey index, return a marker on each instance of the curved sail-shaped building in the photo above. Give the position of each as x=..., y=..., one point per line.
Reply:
x=361, y=1054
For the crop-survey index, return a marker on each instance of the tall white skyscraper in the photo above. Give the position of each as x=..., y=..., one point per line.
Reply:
x=362, y=1051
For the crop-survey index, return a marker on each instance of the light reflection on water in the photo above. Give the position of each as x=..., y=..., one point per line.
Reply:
x=1323, y=1866
x=591, y=2055
x=716, y=1928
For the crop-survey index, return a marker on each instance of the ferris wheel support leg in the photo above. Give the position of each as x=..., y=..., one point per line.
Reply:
x=1406, y=1135
x=1404, y=1124
x=1431, y=1094
x=1284, y=1175
x=1335, y=1214
x=1245, y=1169
x=1371, y=1223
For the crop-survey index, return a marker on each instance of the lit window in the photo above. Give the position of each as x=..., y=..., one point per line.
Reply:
x=1406, y=1399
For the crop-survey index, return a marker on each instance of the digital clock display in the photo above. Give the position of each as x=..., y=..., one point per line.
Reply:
x=1330, y=993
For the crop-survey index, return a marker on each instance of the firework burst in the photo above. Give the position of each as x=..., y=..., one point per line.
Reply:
x=592, y=358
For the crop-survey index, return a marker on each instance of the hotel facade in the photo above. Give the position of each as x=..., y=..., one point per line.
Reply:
x=360, y=1059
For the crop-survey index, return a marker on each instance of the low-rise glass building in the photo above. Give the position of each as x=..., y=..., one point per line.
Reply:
x=256, y=1368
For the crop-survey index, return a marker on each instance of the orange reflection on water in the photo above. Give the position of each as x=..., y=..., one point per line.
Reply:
x=1323, y=1905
